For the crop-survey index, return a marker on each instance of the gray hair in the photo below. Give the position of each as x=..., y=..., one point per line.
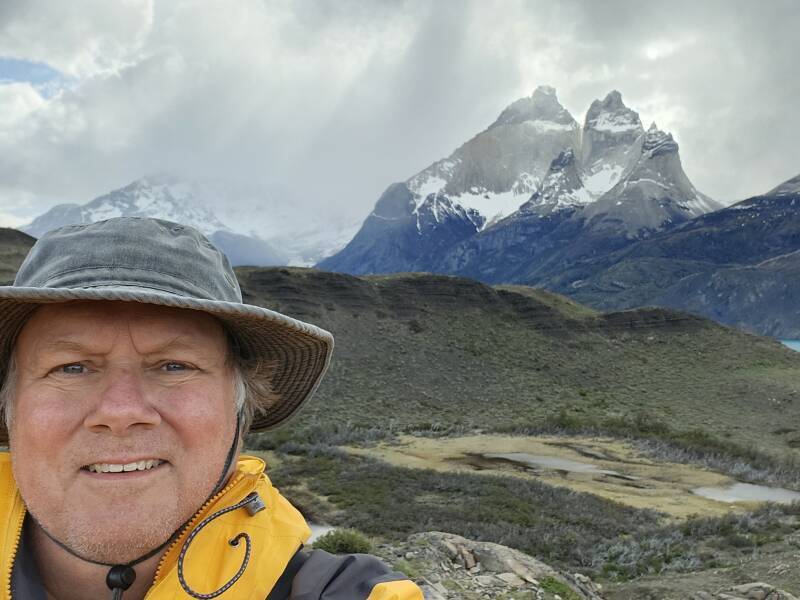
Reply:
x=7, y=391
x=250, y=383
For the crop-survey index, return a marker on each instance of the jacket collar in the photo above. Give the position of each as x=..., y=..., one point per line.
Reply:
x=210, y=561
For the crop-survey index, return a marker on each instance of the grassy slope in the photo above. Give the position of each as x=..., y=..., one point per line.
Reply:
x=415, y=350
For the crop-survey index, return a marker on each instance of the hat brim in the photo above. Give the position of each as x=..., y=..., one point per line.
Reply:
x=299, y=352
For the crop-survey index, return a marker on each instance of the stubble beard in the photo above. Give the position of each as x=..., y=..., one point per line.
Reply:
x=114, y=541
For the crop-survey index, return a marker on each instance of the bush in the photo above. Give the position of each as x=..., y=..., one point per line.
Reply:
x=343, y=541
x=551, y=584
x=408, y=569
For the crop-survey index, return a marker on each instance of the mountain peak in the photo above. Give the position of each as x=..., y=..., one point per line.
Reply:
x=613, y=100
x=541, y=105
x=162, y=196
x=544, y=90
x=657, y=142
x=612, y=136
x=611, y=116
x=159, y=178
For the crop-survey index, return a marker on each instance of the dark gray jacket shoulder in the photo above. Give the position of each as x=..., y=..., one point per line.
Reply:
x=326, y=576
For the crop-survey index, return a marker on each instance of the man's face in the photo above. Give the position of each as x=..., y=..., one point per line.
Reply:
x=105, y=384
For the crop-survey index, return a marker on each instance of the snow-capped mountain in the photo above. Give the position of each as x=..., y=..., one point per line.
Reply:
x=498, y=169
x=610, y=144
x=654, y=193
x=596, y=188
x=158, y=196
x=163, y=197
x=257, y=224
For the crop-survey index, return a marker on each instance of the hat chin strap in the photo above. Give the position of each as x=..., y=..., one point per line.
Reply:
x=121, y=576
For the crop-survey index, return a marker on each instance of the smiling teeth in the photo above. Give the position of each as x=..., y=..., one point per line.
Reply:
x=142, y=465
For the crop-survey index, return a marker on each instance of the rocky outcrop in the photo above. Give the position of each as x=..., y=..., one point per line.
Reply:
x=748, y=591
x=448, y=566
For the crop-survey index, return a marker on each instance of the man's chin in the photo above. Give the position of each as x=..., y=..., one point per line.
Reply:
x=120, y=541
x=114, y=532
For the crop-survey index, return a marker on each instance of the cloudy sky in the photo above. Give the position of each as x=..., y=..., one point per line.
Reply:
x=336, y=100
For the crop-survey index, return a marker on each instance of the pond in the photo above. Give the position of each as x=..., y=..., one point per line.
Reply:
x=736, y=492
x=793, y=344
x=549, y=462
x=747, y=492
x=607, y=467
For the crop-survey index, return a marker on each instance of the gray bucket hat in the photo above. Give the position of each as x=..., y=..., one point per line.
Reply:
x=152, y=261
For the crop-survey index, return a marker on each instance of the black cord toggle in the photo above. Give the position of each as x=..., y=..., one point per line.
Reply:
x=119, y=579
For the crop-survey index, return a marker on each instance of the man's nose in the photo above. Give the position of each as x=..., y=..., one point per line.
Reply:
x=122, y=404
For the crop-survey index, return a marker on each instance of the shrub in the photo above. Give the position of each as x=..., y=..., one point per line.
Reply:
x=408, y=569
x=553, y=585
x=343, y=541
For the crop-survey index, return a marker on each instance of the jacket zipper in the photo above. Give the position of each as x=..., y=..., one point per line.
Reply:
x=14, y=548
x=234, y=481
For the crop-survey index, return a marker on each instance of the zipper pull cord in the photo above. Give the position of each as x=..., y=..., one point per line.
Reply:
x=254, y=504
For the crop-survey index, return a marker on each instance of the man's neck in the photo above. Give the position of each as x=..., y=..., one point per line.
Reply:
x=67, y=577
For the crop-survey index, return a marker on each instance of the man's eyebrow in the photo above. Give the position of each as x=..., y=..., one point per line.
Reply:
x=65, y=345
x=177, y=343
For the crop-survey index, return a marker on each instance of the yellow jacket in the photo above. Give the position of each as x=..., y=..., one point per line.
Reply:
x=210, y=562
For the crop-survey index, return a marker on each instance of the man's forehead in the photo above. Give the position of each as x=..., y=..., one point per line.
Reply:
x=81, y=324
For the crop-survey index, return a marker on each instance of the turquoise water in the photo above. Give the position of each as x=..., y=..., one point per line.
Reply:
x=793, y=344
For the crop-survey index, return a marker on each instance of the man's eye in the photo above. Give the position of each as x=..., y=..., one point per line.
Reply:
x=72, y=369
x=174, y=366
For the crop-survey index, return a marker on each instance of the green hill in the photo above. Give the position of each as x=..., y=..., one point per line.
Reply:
x=420, y=351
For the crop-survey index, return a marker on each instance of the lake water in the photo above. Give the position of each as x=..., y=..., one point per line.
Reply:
x=747, y=492
x=549, y=462
x=793, y=344
x=737, y=492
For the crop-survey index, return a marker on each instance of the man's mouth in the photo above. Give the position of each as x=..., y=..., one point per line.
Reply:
x=141, y=465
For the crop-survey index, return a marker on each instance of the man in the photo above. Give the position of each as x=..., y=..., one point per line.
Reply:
x=130, y=372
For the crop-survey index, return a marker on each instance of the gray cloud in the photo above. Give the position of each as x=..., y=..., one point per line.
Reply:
x=334, y=101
